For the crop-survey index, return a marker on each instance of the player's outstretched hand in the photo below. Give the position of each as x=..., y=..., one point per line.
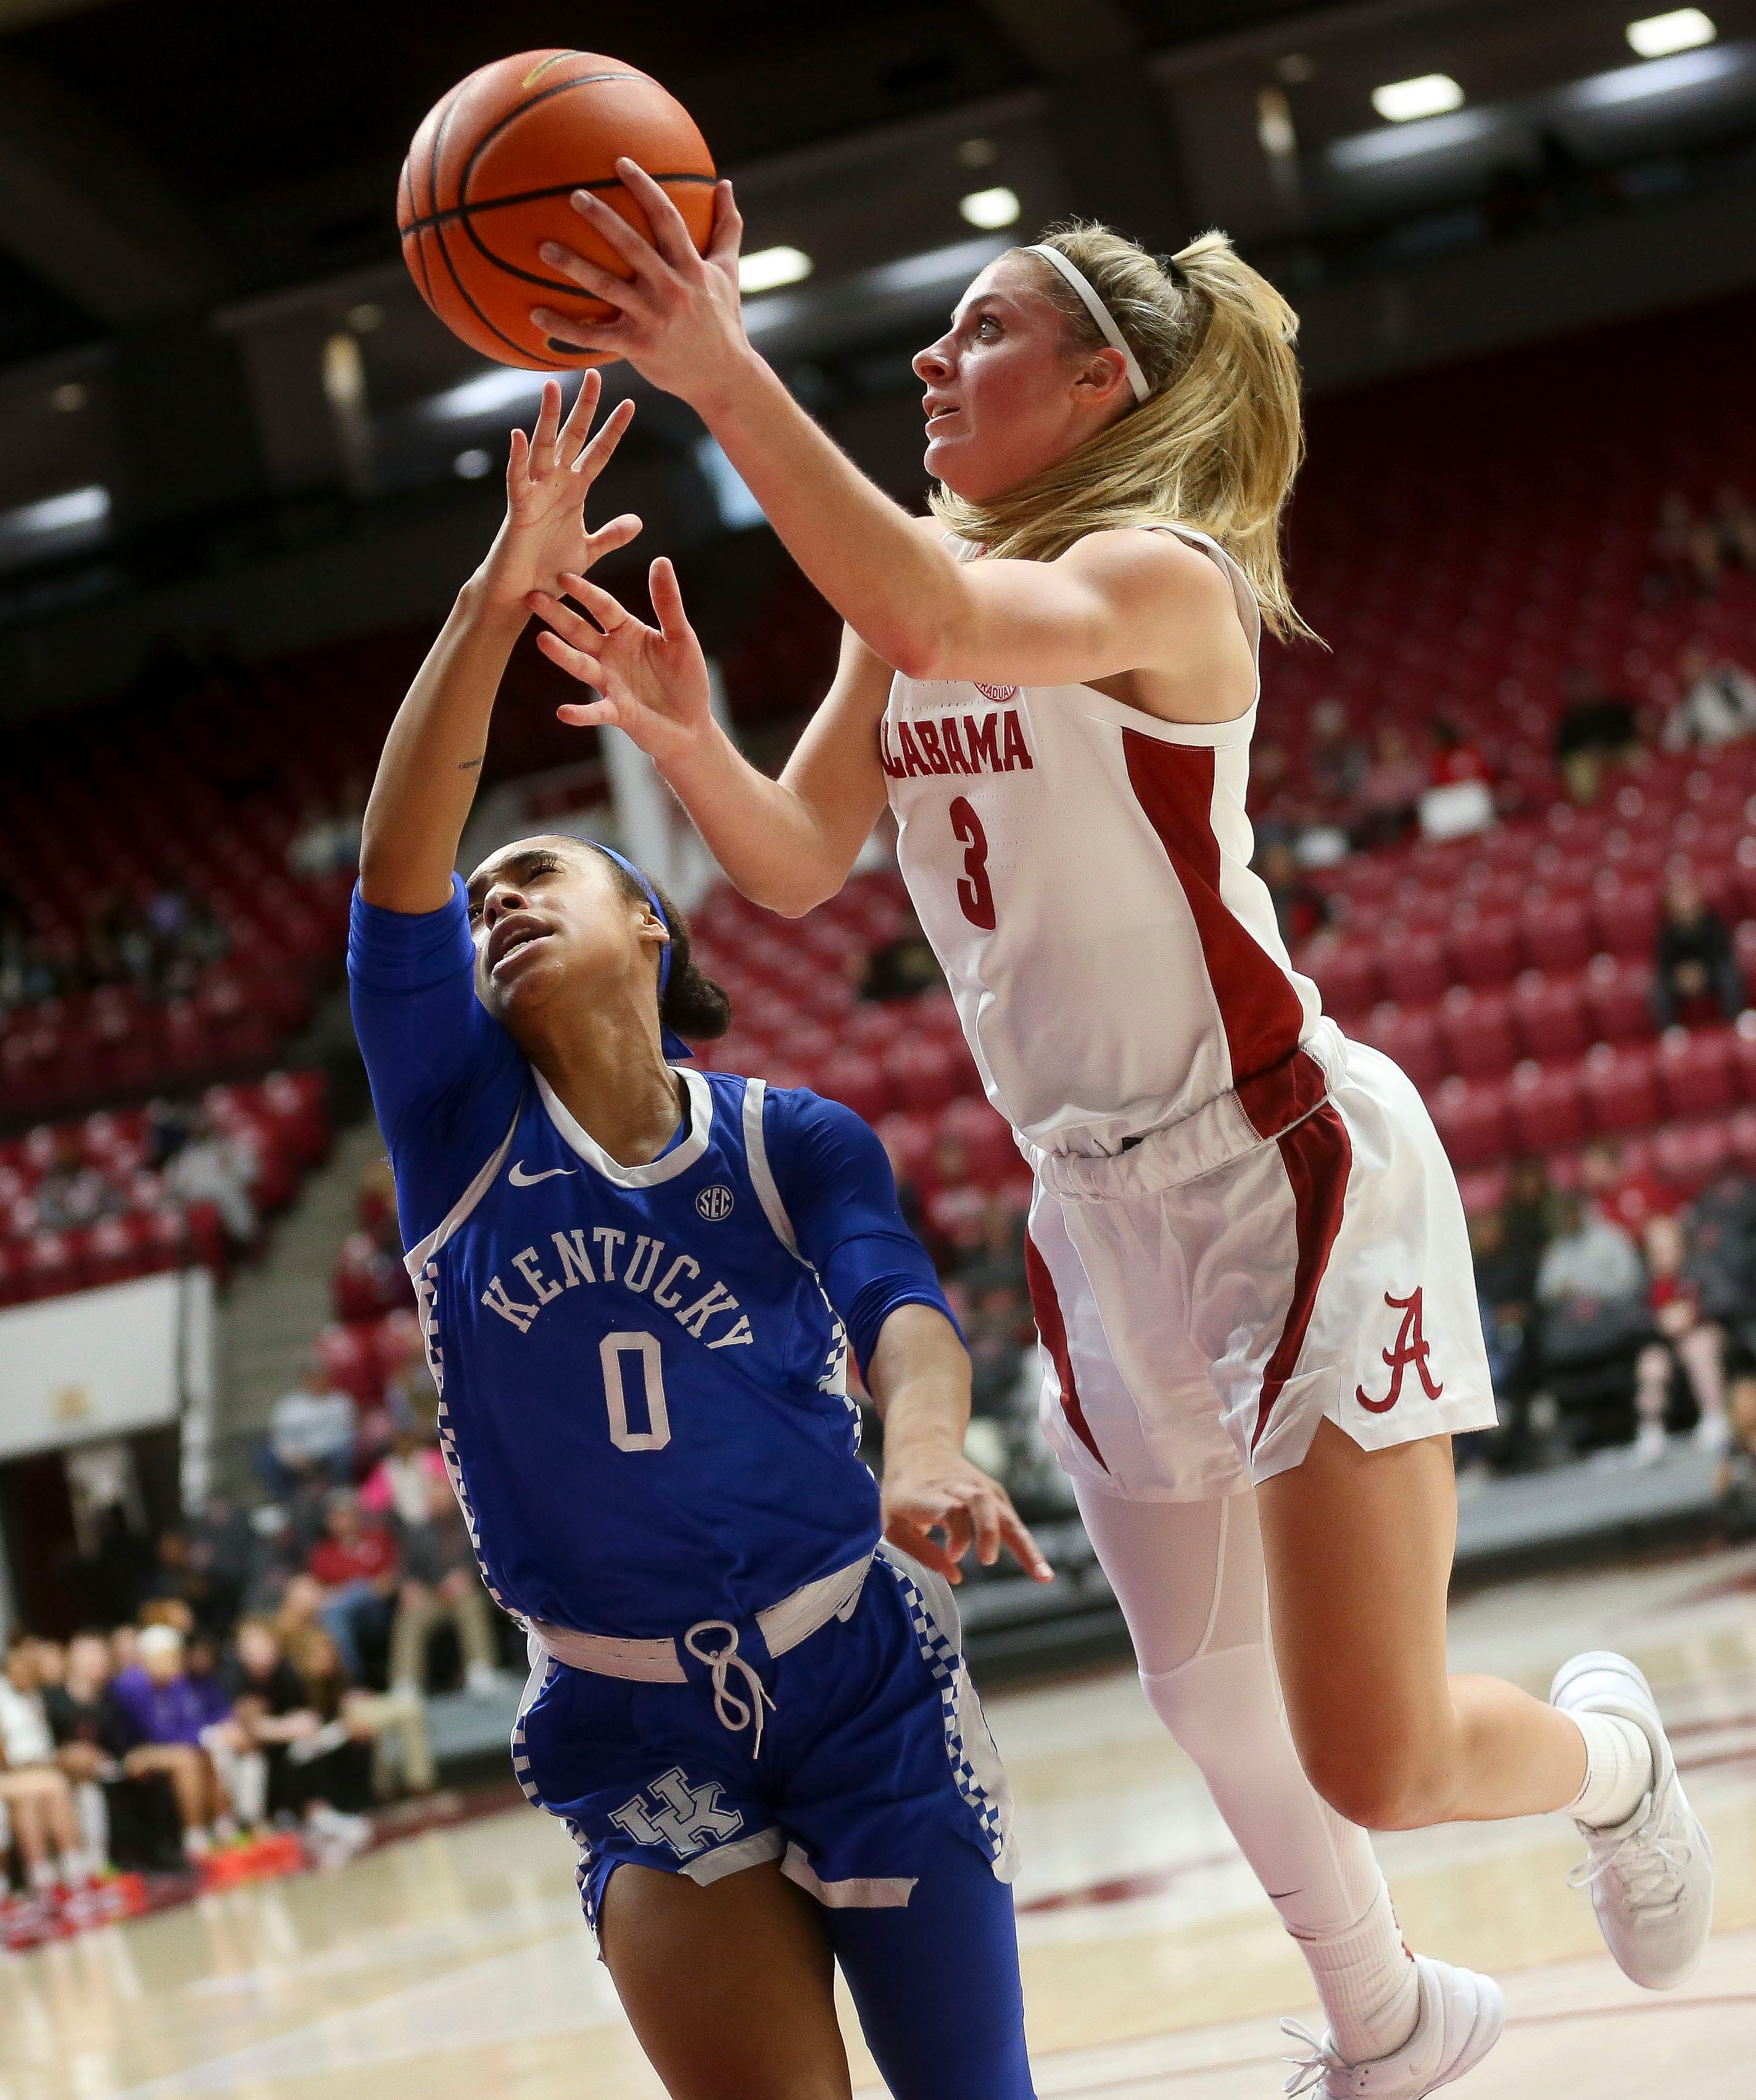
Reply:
x=549, y=474
x=651, y=682
x=679, y=321
x=948, y=1493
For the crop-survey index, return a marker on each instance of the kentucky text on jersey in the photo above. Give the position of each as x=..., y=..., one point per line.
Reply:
x=573, y=1265
x=993, y=743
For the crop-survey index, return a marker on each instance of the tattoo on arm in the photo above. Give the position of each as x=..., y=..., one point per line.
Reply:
x=469, y=764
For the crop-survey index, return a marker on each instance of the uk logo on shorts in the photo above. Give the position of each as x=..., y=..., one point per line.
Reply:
x=714, y=1203
x=1410, y=1346
x=672, y=1812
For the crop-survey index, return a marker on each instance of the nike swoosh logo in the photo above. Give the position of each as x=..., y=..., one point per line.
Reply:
x=520, y=1179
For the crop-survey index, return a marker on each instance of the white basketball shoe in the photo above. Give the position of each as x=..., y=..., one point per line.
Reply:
x=1651, y=1877
x=1461, y=2014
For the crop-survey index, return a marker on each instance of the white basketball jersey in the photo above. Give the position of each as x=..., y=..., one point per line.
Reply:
x=1083, y=871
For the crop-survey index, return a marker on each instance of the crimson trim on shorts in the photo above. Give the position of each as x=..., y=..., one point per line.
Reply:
x=1259, y=1011
x=1046, y=1304
x=1317, y=1155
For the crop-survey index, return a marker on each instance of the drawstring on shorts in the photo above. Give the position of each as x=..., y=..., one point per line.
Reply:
x=733, y=1711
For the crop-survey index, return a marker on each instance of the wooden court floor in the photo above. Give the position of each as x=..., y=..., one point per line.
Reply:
x=455, y=1964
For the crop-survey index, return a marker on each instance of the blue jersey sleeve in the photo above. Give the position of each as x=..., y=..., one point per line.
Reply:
x=446, y=1076
x=836, y=1182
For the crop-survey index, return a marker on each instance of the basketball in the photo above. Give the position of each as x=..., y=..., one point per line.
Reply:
x=487, y=181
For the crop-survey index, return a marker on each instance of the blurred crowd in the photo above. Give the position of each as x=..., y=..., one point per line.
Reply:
x=1620, y=1316
x=158, y=944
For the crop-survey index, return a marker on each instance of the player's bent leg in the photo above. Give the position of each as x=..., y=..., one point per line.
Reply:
x=1358, y=1546
x=729, y=1989
x=936, y=1982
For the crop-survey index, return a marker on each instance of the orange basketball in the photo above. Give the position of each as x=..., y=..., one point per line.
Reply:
x=488, y=176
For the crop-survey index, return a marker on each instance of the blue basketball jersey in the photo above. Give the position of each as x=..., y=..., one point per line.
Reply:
x=642, y=1377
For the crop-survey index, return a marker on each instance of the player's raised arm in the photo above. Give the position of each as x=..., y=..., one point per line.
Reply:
x=787, y=843
x=432, y=758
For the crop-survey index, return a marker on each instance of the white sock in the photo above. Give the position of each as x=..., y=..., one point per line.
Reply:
x=1368, y=1982
x=1618, y=1770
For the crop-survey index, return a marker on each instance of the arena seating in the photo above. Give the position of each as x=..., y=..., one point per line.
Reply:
x=283, y=1123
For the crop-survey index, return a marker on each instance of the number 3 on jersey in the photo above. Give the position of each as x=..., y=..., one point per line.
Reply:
x=975, y=895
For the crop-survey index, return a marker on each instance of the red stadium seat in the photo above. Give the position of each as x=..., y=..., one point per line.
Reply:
x=1486, y=948
x=1619, y=993
x=1697, y=1072
x=907, y=1137
x=1743, y=1054
x=1742, y=1132
x=859, y=1081
x=922, y=1073
x=1478, y=1032
x=1413, y=966
x=1346, y=973
x=1620, y=1084
x=1551, y=1015
x=1690, y=1154
x=1627, y=914
x=1409, y=1037
x=1471, y=1115
x=1559, y=931
x=349, y=1358
x=1547, y=1110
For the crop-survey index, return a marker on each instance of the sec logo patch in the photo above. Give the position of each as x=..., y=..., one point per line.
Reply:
x=714, y=1203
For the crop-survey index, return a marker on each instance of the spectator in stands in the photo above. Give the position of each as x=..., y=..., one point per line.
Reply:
x=1718, y=702
x=212, y=1168
x=363, y=1734
x=1300, y=907
x=328, y=840
x=162, y=1717
x=440, y=1581
x=1685, y=551
x=1335, y=760
x=904, y=967
x=36, y=1793
x=1527, y=1216
x=112, y=1812
x=1628, y=1196
x=270, y=1705
x=1734, y=523
x=1735, y=1484
x=71, y=1195
x=996, y=1332
x=1597, y=728
x=311, y=1432
x=1696, y=980
x=1505, y=1288
x=1455, y=756
x=1390, y=794
x=356, y=1564
x=1686, y=1333
x=1592, y=1291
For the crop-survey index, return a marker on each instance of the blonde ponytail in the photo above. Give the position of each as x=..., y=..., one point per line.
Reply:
x=1214, y=446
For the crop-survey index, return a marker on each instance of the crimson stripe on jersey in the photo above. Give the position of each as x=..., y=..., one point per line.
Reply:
x=1258, y=1009
x=1046, y=1305
x=1318, y=1156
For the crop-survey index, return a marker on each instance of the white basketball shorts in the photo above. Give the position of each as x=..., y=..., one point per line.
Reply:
x=1207, y=1297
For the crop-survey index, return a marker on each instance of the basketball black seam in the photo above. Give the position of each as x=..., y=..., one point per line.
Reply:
x=421, y=250
x=438, y=234
x=535, y=196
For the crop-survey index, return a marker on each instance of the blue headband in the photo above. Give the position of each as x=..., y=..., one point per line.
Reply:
x=672, y=1044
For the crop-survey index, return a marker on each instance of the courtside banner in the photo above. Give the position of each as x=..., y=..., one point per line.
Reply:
x=102, y=1363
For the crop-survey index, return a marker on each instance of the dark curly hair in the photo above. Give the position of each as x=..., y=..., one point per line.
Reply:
x=698, y=1009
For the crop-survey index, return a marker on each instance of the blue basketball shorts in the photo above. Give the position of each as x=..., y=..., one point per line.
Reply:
x=874, y=1754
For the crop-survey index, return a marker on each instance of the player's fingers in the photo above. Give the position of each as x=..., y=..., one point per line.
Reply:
x=628, y=241
x=576, y=631
x=725, y=240
x=607, y=538
x=578, y=335
x=588, y=714
x=576, y=425
x=1025, y=1551
x=610, y=613
x=668, y=600
x=955, y=1523
x=595, y=456
x=984, y=1522
x=518, y=461
x=548, y=424
x=670, y=234
x=919, y=1544
x=574, y=662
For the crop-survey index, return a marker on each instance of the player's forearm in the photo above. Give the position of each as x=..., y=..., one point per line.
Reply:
x=767, y=837
x=918, y=1379
x=432, y=758
x=901, y=593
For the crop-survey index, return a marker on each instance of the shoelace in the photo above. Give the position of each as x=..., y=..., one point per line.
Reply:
x=1650, y=1868
x=733, y=1711
x=1308, y=2072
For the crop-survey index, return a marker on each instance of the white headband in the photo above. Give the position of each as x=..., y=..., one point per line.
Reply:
x=1101, y=314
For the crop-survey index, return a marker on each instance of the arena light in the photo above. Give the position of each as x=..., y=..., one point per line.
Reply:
x=1404, y=142
x=488, y=394
x=1694, y=68
x=1427, y=94
x=990, y=208
x=59, y=514
x=737, y=507
x=768, y=268
x=1657, y=36
x=955, y=265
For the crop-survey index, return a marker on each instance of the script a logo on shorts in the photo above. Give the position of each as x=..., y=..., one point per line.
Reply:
x=1410, y=1346
x=714, y=1203
x=687, y=1818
